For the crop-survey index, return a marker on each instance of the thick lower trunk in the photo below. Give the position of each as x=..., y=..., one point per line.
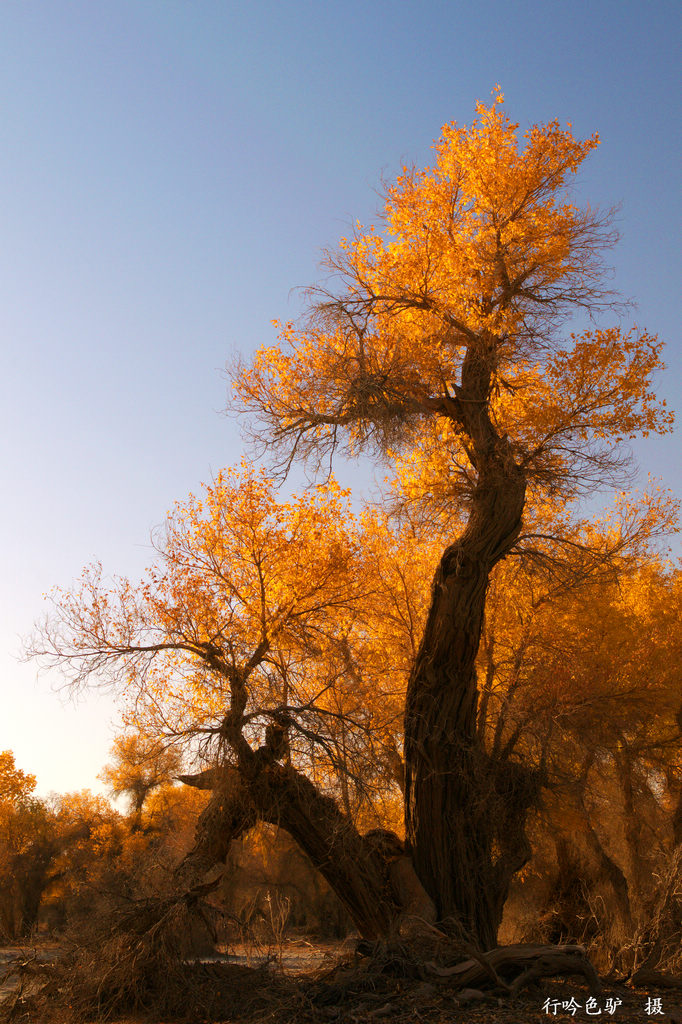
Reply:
x=676, y=821
x=227, y=816
x=455, y=796
x=640, y=873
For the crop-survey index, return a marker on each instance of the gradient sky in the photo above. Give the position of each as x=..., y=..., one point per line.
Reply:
x=171, y=169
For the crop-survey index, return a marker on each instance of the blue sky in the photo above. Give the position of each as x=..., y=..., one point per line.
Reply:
x=171, y=170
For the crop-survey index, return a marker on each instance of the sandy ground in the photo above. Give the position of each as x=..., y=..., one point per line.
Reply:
x=297, y=956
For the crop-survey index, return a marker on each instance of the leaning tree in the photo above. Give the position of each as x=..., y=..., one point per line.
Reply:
x=437, y=345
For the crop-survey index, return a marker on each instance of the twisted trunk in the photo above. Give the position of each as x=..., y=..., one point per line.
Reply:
x=454, y=793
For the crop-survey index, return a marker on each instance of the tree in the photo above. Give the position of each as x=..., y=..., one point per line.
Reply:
x=579, y=680
x=139, y=767
x=15, y=785
x=443, y=335
x=249, y=640
x=26, y=839
x=260, y=633
x=38, y=843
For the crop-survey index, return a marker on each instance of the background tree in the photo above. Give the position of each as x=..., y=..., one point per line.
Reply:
x=580, y=683
x=40, y=843
x=15, y=785
x=26, y=848
x=138, y=767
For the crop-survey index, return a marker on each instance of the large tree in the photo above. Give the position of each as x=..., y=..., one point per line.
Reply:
x=438, y=346
x=442, y=335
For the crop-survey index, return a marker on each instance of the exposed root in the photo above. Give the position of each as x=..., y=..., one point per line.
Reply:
x=438, y=967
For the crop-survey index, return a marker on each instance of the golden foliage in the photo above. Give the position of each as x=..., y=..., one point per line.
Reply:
x=15, y=785
x=458, y=302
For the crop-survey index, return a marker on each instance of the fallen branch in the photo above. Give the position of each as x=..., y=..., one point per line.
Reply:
x=513, y=968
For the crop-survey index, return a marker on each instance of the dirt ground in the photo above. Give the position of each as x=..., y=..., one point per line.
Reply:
x=300, y=983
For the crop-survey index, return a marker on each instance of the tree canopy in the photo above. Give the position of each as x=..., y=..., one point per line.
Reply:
x=442, y=335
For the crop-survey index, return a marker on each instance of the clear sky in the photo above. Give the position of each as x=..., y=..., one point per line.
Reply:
x=171, y=169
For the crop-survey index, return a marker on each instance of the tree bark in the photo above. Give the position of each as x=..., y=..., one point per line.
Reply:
x=354, y=866
x=453, y=790
x=677, y=821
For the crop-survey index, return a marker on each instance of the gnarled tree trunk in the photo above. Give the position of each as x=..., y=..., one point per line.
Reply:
x=456, y=797
x=370, y=874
